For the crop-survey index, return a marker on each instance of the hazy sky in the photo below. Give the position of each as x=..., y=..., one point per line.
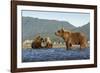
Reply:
x=76, y=19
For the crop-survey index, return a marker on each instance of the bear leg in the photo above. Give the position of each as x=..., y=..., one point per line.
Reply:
x=68, y=46
x=82, y=46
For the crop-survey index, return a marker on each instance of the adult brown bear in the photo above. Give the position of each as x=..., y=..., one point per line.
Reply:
x=37, y=42
x=72, y=38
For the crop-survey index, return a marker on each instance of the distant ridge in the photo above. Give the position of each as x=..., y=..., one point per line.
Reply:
x=32, y=26
x=85, y=29
x=44, y=27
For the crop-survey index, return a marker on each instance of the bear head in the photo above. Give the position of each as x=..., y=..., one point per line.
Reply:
x=62, y=33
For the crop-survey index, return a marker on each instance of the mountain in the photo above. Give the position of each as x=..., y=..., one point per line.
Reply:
x=44, y=27
x=32, y=27
x=85, y=29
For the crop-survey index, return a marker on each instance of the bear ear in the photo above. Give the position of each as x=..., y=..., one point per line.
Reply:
x=38, y=36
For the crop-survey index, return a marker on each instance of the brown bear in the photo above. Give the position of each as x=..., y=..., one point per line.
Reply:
x=46, y=43
x=37, y=42
x=72, y=38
